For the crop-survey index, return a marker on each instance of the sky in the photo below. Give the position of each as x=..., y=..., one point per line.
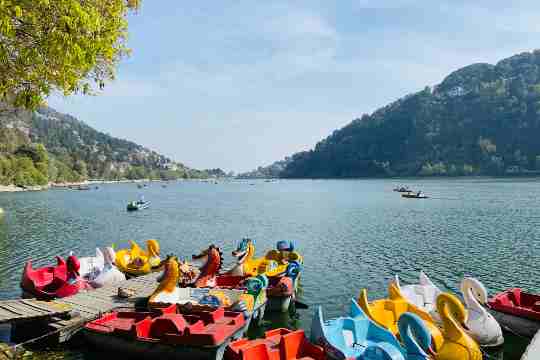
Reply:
x=241, y=84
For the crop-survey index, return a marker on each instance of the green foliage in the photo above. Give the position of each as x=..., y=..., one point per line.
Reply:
x=66, y=45
x=482, y=119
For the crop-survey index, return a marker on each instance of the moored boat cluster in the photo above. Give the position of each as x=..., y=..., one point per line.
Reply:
x=202, y=312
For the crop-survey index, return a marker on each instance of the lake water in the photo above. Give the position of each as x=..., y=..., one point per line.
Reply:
x=352, y=233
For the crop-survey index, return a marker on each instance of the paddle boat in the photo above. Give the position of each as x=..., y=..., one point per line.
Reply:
x=517, y=310
x=168, y=333
x=136, y=261
x=274, y=263
x=481, y=325
x=412, y=195
x=451, y=342
x=357, y=337
x=52, y=282
x=386, y=313
x=249, y=299
x=107, y=274
x=91, y=265
x=137, y=205
x=402, y=189
x=282, y=266
x=277, y=344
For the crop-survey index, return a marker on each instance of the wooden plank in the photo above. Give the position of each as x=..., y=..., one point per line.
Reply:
x=9, y=308
x=36, y=305
x=25, y=309
x=83, y=308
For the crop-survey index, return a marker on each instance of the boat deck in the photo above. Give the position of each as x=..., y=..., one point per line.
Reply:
x=68, y=315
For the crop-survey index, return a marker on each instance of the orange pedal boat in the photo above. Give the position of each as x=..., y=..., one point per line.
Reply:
x=278, y=344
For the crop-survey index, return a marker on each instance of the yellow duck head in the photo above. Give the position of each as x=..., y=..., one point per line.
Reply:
x=458, y=345
x=167, y=282
x=152, y=246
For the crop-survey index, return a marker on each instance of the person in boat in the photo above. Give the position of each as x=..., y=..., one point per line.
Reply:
x=419, y=194
x=141, y=199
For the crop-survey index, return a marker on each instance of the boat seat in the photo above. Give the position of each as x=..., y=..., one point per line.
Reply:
x=514, y=296
x=167, y=324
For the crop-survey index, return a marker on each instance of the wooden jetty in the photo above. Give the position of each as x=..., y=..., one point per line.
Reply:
x=65, y=317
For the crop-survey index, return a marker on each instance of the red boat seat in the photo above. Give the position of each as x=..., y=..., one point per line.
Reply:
x=514, y=296
x=168, y=324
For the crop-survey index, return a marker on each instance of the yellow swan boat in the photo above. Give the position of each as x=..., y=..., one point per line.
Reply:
x=136, y=261
x=457, y=343
x=386, y=313
x=274, y=263
x=450, y=343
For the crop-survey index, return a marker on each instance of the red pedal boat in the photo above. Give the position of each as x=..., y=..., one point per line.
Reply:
x=51, y=282
x=278, y=344
x=196, y=333
x=517, y=310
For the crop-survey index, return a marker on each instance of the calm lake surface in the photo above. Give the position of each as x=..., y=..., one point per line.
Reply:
x=352, y=233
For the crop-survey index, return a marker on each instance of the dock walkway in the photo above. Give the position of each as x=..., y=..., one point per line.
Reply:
x=68, y=315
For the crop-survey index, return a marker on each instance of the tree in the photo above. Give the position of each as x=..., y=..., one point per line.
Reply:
x=67, y=45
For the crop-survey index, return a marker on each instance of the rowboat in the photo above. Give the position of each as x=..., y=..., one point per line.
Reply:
x=277, y=344
x=517, y=310
x=169, y=333
x=137, y=205
x=52, y=282
x=402, y=189
x=414, y=196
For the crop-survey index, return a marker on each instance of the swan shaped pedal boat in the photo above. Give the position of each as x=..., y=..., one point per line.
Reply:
x=274, y=263
x=481, y=325
x=386, y=313
x=136, y=261
x=251, y=299
x=357, y=337
x=52, y=282
x=91, y=265
x=109, y=273
x=169, y=333
x=451, y=342
x=278, y=344
x=282, y=267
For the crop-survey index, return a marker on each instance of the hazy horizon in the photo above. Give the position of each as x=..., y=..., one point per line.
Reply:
x=239, y=85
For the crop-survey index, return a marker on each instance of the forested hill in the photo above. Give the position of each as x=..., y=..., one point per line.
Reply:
x=48, y=146
x=482, y=119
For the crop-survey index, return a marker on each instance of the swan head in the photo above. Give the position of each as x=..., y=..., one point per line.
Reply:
x=474, y=287
x=109, y=255
x=153, y=247
x=415, y=335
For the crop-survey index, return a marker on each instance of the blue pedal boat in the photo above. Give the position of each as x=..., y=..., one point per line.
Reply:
x=358, y=337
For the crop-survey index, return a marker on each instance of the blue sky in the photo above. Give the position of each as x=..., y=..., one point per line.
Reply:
x=238, y=84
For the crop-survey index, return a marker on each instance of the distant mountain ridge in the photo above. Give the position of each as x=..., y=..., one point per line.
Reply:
x=74, y=151
x=482, y=119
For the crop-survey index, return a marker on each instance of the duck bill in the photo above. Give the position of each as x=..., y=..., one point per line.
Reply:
x=465, y=326
x=431, y=352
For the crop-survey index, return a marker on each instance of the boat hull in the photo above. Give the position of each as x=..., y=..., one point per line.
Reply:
x=515, y=324
x=279, y=303
x=156, y=350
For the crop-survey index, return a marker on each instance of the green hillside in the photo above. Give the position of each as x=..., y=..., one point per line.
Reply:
x=47, y=146
x=481, y=119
